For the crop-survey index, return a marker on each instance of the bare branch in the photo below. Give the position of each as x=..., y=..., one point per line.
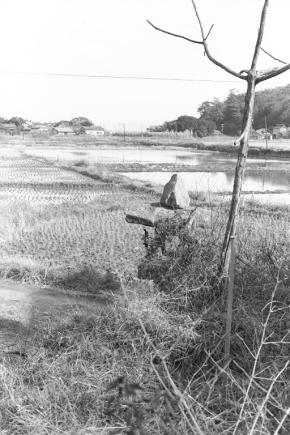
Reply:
x=208, y=33
x=174, y=34
x=202, y=42
x=273, y=73
x=260, y=36
x=198, y=19
x=206, y=49
x=273, y=57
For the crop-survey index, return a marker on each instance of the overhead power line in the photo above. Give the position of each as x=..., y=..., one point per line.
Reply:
x=126, y=77
x=123, y=77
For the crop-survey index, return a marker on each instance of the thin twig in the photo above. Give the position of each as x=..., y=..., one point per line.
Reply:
x=206, y=49
x=267, y=397
x=274, y=402
x=193, y=424
x=262, y=342
x=246, y=346
x=260, y=36
x=286, y=414
x=208, y=33
x=273, y=57
x=174, y=34
x=202, y=42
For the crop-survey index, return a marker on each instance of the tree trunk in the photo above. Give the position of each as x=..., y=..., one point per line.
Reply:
x=239, y=174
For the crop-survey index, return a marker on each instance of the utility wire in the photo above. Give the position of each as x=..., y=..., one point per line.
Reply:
x=125, y=77
x=108, y=76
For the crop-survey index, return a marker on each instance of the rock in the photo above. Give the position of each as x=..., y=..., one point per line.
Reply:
x=175, y=194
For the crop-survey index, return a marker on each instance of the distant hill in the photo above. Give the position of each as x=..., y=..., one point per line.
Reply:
x=271, y=106
x=274, y=104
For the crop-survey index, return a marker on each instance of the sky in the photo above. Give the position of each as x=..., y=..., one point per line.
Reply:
x=112, y=37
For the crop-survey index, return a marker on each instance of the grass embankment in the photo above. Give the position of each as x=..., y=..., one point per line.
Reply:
x=151, y=362
x=254, y=151
x=275, y=148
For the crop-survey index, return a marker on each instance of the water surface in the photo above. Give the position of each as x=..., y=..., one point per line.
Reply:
x=221, y=161
x=263, y=187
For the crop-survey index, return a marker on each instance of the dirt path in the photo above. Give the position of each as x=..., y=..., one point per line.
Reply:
x=24, y=308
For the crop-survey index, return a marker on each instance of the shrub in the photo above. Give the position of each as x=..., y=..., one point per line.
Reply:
x=183, y=263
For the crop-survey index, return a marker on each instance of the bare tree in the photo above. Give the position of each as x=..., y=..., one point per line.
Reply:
x=253, y=77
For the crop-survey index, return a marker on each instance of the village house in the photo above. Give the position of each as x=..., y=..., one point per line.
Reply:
x=280, y=131
x=266, y=134
x=9, y=128
x=63, y=131
x=25, y=128
x=95, y=131
x=41, y=128
x=255, y=135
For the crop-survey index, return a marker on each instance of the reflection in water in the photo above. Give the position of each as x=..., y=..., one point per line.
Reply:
x=220, y=161
x=120, y=155
x=215, y=181
x=219, y=180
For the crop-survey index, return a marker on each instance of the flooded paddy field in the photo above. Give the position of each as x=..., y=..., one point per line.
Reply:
x=267, y=179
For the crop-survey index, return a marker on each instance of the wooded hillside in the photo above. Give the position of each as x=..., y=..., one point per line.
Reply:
x=226, y=116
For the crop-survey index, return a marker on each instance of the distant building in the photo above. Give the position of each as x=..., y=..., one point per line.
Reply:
x=63, y=131
x=95, y=131
x=216, y=133
x=266, y=134
x=8, y=128
x=25, y=126
x=25, y=129
x=280, y=131
x=254, y=135
x=42, y=128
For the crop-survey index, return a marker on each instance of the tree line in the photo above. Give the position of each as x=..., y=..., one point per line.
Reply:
x=80, y=121
x=272, y=106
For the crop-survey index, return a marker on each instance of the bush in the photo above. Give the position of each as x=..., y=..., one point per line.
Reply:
x=183, y=262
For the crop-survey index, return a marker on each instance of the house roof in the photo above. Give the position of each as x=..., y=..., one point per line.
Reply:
x=8, y=126
x=263, y=131
x=64, y=129
x=95, y=128
x=37, y=125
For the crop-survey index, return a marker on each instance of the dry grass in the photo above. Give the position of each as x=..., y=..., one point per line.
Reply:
x=64, y=239
x=151, y=361
x=56, y=223
x=119, y=371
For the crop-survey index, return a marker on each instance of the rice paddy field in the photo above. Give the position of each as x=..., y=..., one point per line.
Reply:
x=147, y=360
x=55, y=222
